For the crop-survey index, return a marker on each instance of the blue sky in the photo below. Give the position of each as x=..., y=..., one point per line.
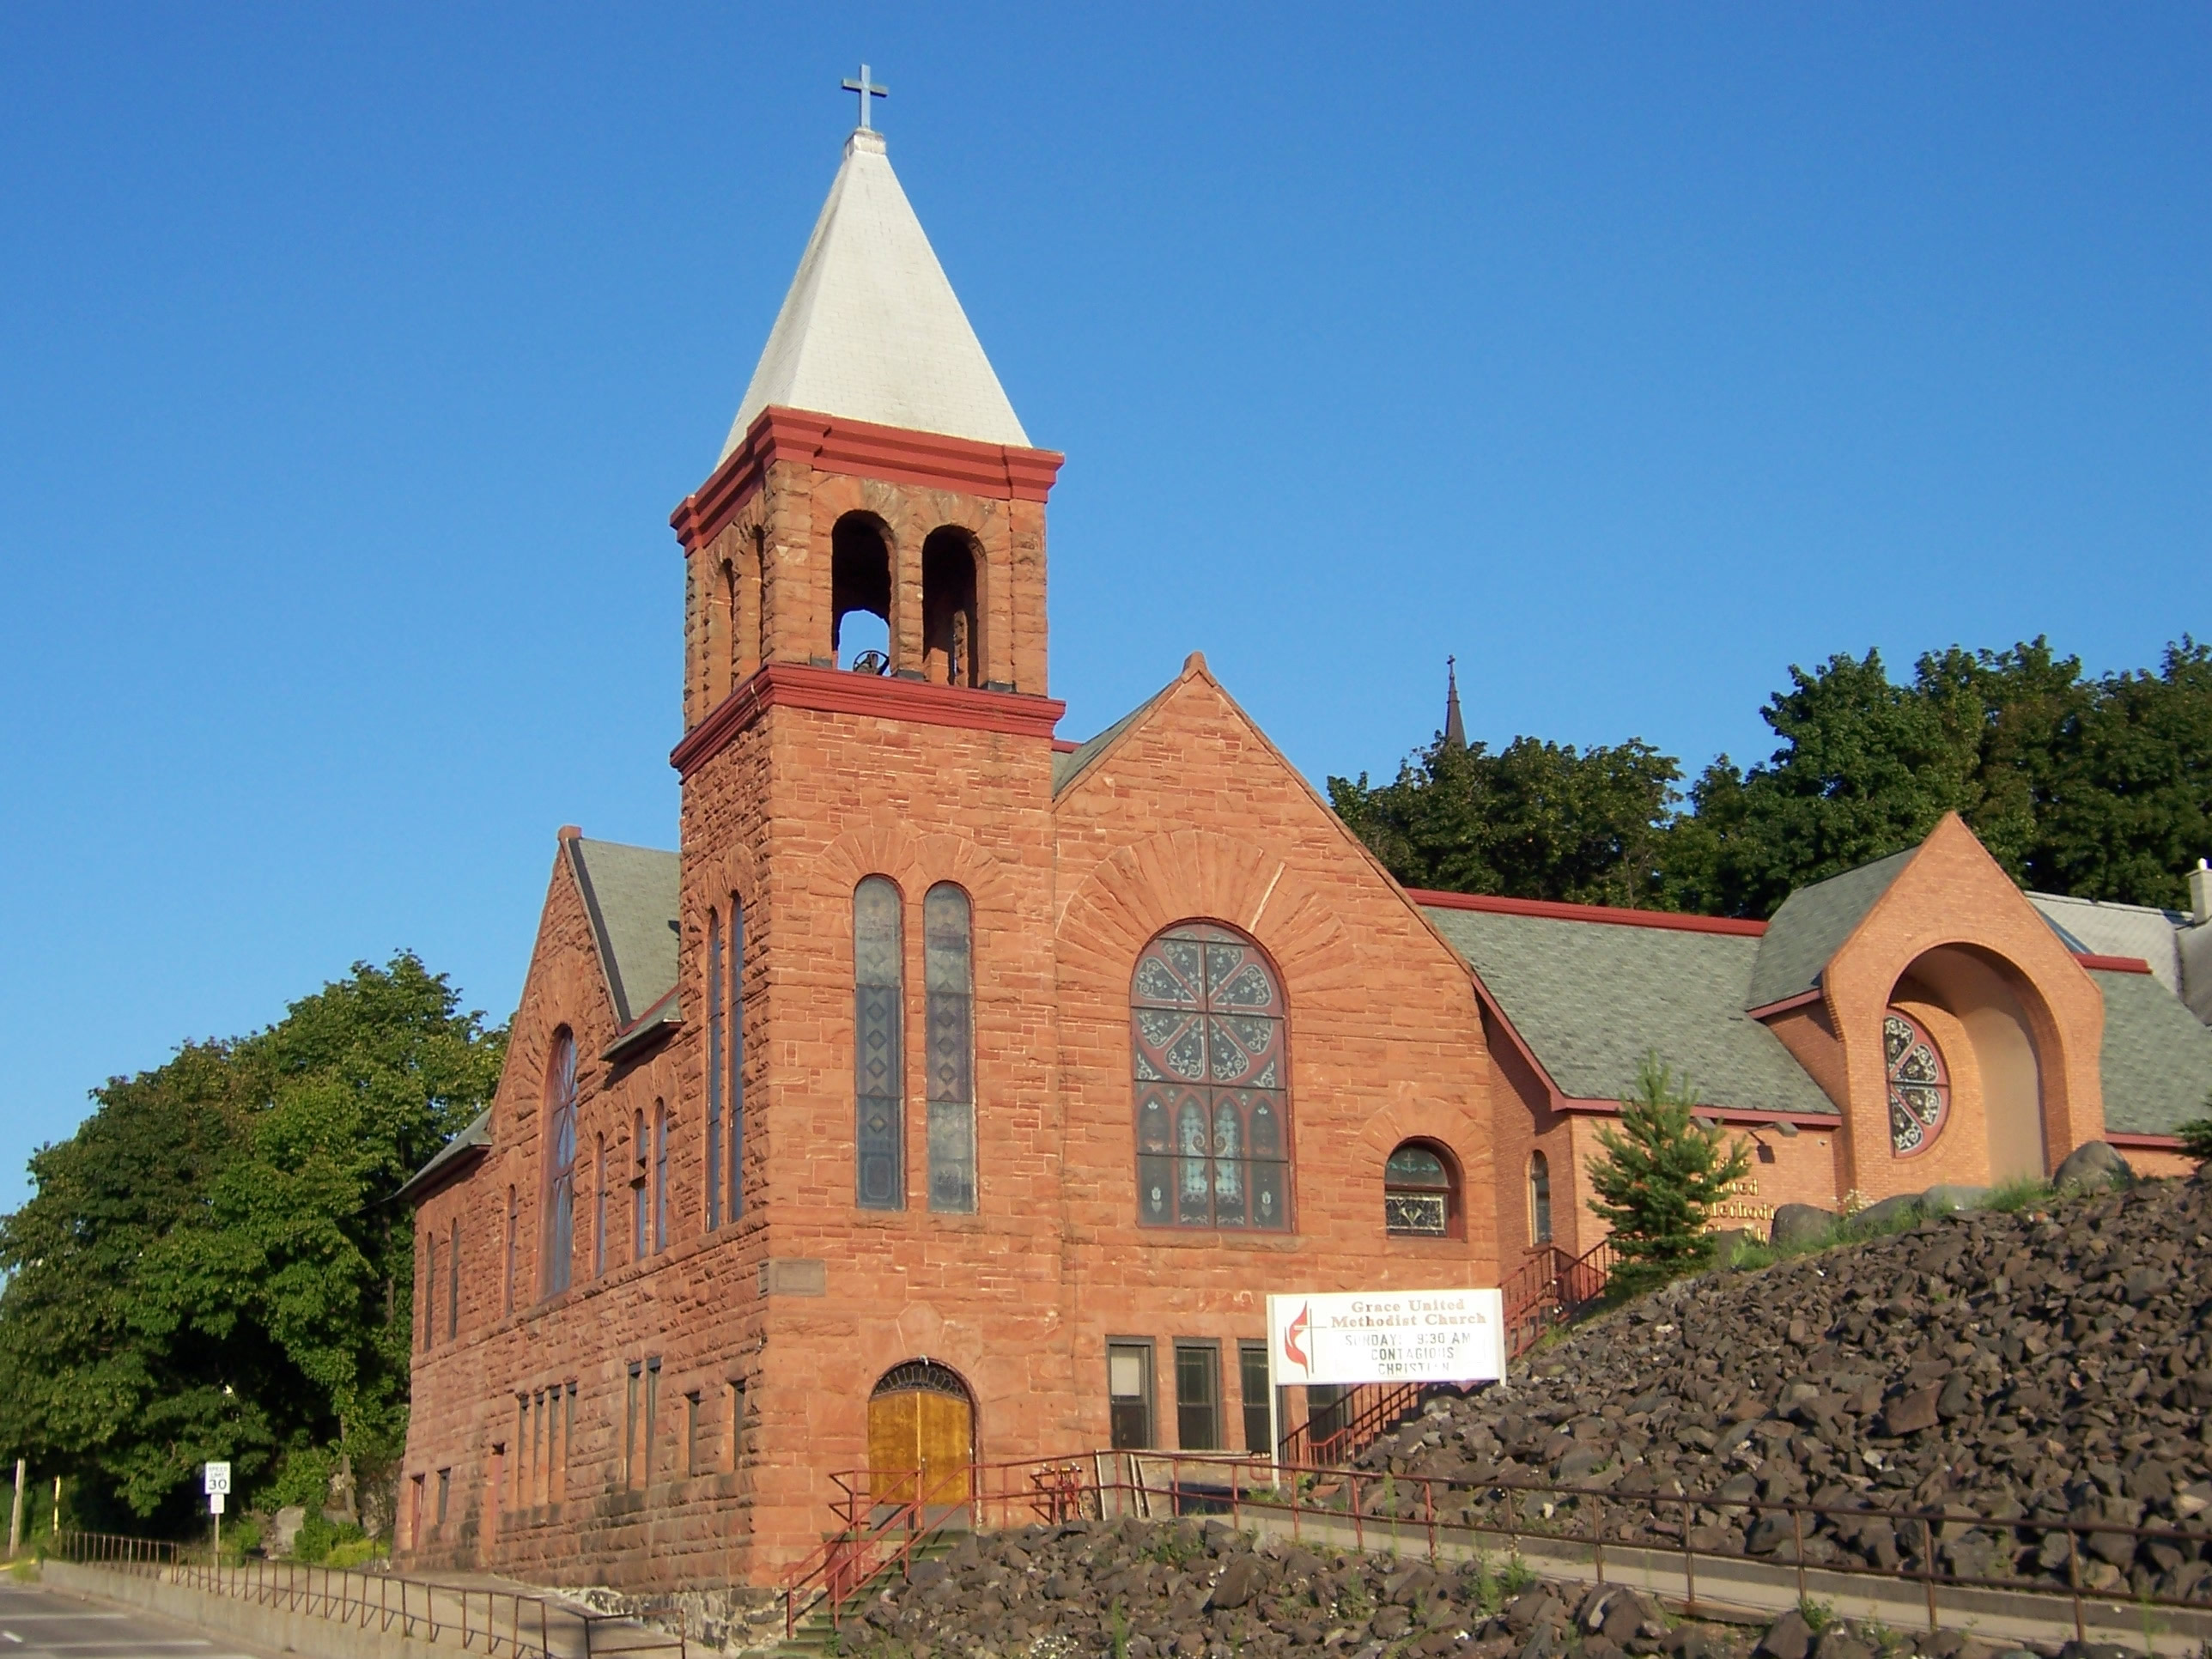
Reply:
x=352, y=361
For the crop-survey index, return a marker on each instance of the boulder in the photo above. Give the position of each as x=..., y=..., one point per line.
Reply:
x=285, y=1529
x=1800, y=1224
x=1788, y=1637
x=1888, y=1211
x=1950, y=1200
x=2092, y=1167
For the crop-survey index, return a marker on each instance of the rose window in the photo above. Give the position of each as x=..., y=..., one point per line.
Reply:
x=1919, y=1087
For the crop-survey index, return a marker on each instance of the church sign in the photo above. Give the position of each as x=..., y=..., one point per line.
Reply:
x=1387, y=1336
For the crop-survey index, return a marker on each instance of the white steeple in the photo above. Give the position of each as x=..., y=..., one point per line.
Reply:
x=870, y=329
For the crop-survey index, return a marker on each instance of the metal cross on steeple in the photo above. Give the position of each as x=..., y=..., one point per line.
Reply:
x=866, y=90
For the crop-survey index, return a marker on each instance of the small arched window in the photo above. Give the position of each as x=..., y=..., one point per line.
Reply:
x=1919, y=1083
x=637, y=1170
x=950, y=619
x=1420, y=1192
x=559, y=1191
x=660, y=1177
x=453, y=1283
x=879, y=1088
x=948, y=975
x=600, y=1207
x=507, y=1276
x=1540, y=1199
x=1212, y=1083
x=429, y=1288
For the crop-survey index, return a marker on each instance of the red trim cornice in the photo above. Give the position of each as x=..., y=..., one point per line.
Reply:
x=830, y=443
x=836, y=691
x=1723, y=1114
x=2112, y=964
x=1604, y=913
x=1803, y=999
x=2146, y=1143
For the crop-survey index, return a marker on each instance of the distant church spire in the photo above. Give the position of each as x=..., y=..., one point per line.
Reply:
x=1455, y=728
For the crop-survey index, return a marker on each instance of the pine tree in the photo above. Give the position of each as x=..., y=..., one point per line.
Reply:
x=1661, y=1175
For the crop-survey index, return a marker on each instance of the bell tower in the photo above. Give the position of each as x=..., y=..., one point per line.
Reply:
x=875, y=468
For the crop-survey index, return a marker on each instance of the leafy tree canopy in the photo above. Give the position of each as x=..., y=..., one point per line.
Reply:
x=206, y=1268
x=2099, y=788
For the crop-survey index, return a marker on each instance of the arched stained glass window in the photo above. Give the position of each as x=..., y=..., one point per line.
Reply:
x=1420, y=1192
x=1919, y=1085
x=1540, y=1199
x=948, y=972
x=879, y=1088
x=560, y=1154
x=1212, y=1083
x=733, y=1136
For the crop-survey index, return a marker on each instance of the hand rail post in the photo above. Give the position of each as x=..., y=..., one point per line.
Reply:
x=1797, y=1531
x=2073, y=1578
x=1689, y=1563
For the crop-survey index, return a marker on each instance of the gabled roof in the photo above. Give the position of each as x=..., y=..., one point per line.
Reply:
x=449, y=1158
x=1069, y=767
x=2100, y=927
x=1812, y=925
x=870, y=329
x=2156, y=1063
x=1591, y=1000
x=630, y=894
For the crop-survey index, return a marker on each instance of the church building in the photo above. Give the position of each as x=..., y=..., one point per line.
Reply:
x=955, y=1093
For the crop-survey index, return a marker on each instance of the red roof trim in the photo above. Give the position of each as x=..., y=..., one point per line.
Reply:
x=1065, y=746
x=1803, y=999
x=1605, y=913
x=837, y=691
x=830, y=443
x=2112, y=964
x=2146, y=1143
x=1725, y=1113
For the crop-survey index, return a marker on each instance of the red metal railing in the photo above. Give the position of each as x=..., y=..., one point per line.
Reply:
x=1363, y=1508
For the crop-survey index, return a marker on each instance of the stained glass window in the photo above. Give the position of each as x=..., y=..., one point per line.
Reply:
x=1212, y=1083
x=734, y=1139
x=560, y=1154
x=878, y=978
x=949, y=978
x=725, y=1112
x=1919, y=1086
x=1418, y=1196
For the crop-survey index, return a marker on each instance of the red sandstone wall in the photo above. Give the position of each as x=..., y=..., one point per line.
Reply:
x=1193, y=814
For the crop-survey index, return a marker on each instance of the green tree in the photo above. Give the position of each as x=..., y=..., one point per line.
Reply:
x=207, y=1268
x=1661, y=1175
x=1536, y=820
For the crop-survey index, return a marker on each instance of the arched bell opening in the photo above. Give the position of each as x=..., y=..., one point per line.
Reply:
x=951, y=621
x=860, y=594
x=922, y=1436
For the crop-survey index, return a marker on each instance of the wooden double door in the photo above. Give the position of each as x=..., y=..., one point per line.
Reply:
x=922, y=1436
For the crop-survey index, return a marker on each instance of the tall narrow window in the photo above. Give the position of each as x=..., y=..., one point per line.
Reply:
x=558, y=1192
x=713, y=1070
x=879, y=982
x=430, y=1289
x=1197, y=1396
x=1212, y=1083
x=598, y=1205
x=630, y=1403
x=734, y=1139
x=734, y=1431
x=453, y=1283
x=1540, y=1199
x=948, y=608
x=660, y=1177
x=507, y=1276
x=1252, y=1384
x=637, y=1216
x=949, y=976
x=694, y=1462
x=652, y=1416
x=1129, y=1394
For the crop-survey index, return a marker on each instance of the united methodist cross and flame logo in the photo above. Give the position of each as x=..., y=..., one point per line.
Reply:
x=1293, y=1333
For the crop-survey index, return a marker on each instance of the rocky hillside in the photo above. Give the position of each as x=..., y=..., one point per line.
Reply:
x=1137, y=1590
x=2012, y=1369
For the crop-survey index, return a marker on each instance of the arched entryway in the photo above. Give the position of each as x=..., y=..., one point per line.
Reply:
x=1966, y=1005
x=922, y=1435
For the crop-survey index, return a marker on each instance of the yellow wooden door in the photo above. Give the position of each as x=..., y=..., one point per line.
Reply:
x=920, y=1445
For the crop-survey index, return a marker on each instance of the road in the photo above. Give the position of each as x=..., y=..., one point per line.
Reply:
x=34, y=1621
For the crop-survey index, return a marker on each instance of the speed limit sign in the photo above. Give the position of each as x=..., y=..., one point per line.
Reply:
x=217, y=1480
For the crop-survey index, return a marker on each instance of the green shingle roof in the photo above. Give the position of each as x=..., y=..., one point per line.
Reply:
x=2157, y=1059
x=1812, y=925
x=631, y=894
x=1593, y=998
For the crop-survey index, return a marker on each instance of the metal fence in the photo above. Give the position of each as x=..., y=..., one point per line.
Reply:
x=499, y=1623
x=1553, y=1528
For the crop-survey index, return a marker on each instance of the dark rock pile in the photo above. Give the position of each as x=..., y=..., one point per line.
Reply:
x=2009, y=1371
x=1133, y=1590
